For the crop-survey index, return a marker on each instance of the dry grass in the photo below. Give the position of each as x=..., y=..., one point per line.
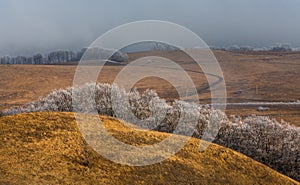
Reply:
x=275, y=74
x=47, y=148
x=288, y=114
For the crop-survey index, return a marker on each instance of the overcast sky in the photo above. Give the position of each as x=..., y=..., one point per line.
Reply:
x=32, y=26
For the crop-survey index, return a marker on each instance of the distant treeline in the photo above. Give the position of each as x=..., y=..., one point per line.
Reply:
x=276, y=48
x=63, y=56
x=92, y=53
x=100, y=53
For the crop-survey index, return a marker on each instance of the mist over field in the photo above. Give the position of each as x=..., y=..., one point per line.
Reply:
x=33, y=26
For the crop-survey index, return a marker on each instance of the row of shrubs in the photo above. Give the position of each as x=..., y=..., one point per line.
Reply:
x=261, y=138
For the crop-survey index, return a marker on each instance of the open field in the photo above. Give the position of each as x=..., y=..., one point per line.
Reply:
x=259, y=77
x=47, y=148
x=262, y=77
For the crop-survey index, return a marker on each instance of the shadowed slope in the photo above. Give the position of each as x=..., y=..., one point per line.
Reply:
x=47, y=148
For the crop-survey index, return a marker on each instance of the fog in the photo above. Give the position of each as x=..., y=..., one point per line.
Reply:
x=40, y=26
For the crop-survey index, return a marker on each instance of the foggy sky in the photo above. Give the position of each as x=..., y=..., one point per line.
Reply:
x=32, y=26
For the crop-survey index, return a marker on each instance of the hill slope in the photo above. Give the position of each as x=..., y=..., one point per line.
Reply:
x=47, y=148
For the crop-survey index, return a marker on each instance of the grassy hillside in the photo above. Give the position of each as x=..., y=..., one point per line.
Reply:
x=47, y=148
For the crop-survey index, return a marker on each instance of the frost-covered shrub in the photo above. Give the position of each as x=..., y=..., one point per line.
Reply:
x=272, y=143
x=261, y=138
x=60, y=100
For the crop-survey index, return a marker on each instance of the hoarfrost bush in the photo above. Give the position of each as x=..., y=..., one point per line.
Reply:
x=261, y=138
x=265, y=140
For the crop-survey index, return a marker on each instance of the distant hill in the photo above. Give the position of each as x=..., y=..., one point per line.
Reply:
x=47, y=148
x=148, y=46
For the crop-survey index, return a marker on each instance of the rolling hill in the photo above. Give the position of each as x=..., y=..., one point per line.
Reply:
x=47, y=148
